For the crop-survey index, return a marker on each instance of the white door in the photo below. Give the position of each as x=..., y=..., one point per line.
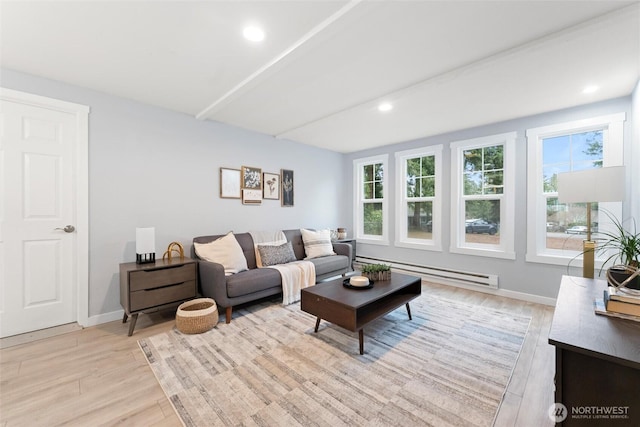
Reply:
x=38, y=213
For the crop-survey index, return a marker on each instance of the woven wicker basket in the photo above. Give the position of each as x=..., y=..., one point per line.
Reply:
x=197, y=316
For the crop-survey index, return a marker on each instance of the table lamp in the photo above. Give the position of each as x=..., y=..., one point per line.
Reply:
x=588, y=186
x=145, y=245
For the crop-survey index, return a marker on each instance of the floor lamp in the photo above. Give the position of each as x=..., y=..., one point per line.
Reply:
x=589, y=186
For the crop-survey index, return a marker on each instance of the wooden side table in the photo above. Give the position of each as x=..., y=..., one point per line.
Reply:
x=146, y=287
x=597, y=358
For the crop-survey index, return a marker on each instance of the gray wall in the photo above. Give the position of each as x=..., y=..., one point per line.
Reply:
x=153, y=167
x=514, y=275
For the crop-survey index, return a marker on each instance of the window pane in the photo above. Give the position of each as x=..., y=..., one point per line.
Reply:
x=372, y=219
x=566, y=226
x=368, y=172
x=419, y=221
x=413, y=167
x=473, y=160
x=378, y=190
x=379, y=172
x=493, y=183
x=472, y=183
x=412, y=187
x=550, y=176
x=556, y=149
x=493, y=157
x=428, y=187
x=587, y=146
x=578, y=151
x=482, y=221
x=428, y=165
x=420, y=176
x=367, y=190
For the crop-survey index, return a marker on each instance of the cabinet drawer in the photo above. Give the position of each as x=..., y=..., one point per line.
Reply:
x=139, y=280
x=163, y=295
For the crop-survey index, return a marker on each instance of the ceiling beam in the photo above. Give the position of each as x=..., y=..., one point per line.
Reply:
x=204, y=114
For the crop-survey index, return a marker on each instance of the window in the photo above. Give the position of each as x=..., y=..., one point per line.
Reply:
x=370, y=210
x=555, y=231
x=418, y=211
x=482, y=182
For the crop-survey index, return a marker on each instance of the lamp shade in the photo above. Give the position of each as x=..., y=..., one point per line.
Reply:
x=145, y=240
x=592, y=185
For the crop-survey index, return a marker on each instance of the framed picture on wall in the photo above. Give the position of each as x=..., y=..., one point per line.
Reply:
x=252, y=178
x=270, y=186
x=230, y=183
x=251, y=196
x=286, y=177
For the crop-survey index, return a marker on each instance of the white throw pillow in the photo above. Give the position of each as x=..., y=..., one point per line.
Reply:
x=317, y=243
x=226, y=251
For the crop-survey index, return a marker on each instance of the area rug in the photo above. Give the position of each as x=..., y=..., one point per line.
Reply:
x=450, y=365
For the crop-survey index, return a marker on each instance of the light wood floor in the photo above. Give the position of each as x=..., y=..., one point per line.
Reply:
x=98, y=375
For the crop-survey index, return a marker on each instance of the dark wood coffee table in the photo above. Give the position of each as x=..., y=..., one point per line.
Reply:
x=353, y=309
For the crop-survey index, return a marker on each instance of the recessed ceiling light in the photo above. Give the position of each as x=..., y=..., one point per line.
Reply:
x=253, y=33
x=590, y=89
x=385, y=106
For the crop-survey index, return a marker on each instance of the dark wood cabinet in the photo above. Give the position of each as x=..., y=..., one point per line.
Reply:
x=147, y=287
x=597, y=358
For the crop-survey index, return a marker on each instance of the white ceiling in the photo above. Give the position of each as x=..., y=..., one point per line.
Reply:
x=324, y=66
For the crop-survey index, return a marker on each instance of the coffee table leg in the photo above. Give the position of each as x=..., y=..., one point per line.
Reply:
x=361, y=336
x=409, y=311
x=317, y=324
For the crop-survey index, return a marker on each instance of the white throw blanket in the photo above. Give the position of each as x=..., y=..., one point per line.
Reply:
x=295, y=275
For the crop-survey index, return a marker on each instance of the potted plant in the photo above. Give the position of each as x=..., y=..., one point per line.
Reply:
x=376, y=271
x=623, y=248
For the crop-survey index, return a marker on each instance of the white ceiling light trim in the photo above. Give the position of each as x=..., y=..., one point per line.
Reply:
x=384, y=107
x=308, y=36
x=590, y=89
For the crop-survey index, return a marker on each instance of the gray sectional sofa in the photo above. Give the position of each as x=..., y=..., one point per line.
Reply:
x=256, y=283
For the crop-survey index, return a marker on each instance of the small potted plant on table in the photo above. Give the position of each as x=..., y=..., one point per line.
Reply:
x=376, y=271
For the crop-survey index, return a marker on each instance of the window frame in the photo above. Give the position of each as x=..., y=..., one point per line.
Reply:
x=359, y=201
x=612, y=126
x=401, y=238
x=506, y=247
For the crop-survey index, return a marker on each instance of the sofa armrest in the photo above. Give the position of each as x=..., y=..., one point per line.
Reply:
x=213, y=282
x=342, y=249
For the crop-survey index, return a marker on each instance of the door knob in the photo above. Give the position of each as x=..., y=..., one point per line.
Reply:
x=67, y=229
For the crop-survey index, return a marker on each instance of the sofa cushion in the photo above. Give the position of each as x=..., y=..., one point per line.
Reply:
x=276, y=254
x=317, y=243
x=226, y=251
x=251, y=281
x=330, y=264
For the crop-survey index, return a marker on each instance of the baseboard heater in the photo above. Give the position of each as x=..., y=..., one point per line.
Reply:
x=436, y=273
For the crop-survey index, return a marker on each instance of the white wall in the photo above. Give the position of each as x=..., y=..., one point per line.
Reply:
x=514, y=275
x=153, y=167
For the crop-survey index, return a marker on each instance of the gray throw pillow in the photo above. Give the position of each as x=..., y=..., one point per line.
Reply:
x=273, y=255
